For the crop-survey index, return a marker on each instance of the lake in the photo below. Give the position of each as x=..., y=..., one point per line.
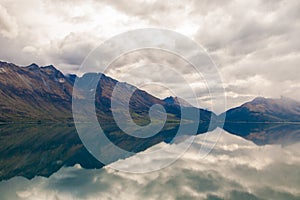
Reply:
x=48, y=161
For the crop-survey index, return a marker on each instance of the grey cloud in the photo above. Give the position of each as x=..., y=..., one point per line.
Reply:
x=260, y=41
x=149, y=11
x=241, y=195
x=247, y=40
x=273, y=194
x=72, y=49
x=242, y=32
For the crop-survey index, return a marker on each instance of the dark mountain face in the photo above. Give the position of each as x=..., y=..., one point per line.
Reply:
x=33, y=93
x=43, y=93
x=36, y=93
x=266, y=110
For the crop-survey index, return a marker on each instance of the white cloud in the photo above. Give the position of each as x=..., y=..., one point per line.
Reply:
x=8, y=25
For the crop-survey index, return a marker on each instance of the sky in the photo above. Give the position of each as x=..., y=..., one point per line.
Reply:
x=254, y=44
x=235, y=169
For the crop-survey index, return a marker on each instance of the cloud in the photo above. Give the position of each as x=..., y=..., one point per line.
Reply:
x=59, y=32
x=235, y=169
x=251, y=40
x=8, y=25
x=253, y=43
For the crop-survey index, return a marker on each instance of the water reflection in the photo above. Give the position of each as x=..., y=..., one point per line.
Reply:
x=40, y=149
x=30, y=150
x=236, y=169
x=266, y=133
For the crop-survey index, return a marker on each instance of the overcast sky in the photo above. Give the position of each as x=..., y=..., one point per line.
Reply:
x=255, y=44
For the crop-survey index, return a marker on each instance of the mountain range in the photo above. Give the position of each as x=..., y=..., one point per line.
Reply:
x=37, y=133
x=35, y=94
x=38, y=137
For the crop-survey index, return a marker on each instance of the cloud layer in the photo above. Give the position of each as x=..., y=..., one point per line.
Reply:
x=255, y=44
x=235, y=169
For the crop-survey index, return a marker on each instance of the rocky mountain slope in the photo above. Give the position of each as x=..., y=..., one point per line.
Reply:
x=33, y=93
x=266, y=110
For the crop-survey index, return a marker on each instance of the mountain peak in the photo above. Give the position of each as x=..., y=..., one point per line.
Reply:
x=177, y=101
x=49, y=67
x=2, y=63
x=259, y=98
x=6, y=64
x=281, y=100
x=51, y=70
x=33, y=66
x=170, y=99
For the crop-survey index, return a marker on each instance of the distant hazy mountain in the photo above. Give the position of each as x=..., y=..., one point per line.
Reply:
x=266, y=110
